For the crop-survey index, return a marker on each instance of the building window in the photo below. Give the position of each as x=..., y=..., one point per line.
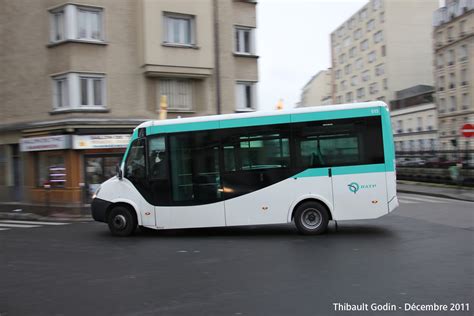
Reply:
x=348, y=69
x=450, y=34
x=79, y=91
x=463, y=52
x=57, y=26
x=89, y=24
x=179, y=29
x=442, y=105
x=73, y=22
x=365, y=76
x=440, y=60
x=462, y=27
x=419, y=124
x=352, y=52
x=385, y=84
x=349, y=97
x=452, y=81
x=338, y=73
x=371, y=56
x=51, y=169
x=354, y=81
x=452, y=100
x=357, y=34
x=364, y=45
x=451, y=57
x=373, y=88
x=361, y=93
x=439, y=38
x=379, y=70
x=375, y=5
x=343, y=85
x=441, y=83
x=61, y=92
x=378, y=37
x=359, y=64
x=363, y=15
x=465, y=101
x=383, y=51
x=244, y=40
x=92, y=90
x=464, y=77
x=245, y=96
x=179, y=93
x=370, y=25
x=382, y=17
x=342, y=58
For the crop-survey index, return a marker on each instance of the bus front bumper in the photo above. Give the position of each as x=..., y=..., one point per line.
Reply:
x=99, y=209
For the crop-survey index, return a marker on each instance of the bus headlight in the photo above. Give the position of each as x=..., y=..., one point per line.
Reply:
x=96, y=192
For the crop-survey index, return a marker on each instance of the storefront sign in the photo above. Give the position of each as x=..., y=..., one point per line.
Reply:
x=100, y=141
x=45, y=143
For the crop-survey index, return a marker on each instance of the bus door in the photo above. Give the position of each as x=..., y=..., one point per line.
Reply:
x=358, y=179
x=196, y=195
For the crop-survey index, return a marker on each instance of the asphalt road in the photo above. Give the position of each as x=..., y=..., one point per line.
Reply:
x=423, y=253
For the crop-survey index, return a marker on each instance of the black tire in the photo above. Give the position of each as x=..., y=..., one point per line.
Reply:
x=121, y=221
x=311, y=218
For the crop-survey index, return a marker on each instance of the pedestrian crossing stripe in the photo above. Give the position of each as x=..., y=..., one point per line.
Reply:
x=33, y=222
x=18, y=225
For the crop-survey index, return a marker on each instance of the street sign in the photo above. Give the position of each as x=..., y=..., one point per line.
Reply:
x=467, y=130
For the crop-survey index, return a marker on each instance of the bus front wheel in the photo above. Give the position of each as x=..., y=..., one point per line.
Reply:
x=121, y=221
x=311, y=218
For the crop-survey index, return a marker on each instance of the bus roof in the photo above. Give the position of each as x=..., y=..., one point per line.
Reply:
x=233, y=116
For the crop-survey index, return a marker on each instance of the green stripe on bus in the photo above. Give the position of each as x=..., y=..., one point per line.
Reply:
x=337, y=171
x=256, y=121
x=184, y=127
x=388, y=146
x=333, y=115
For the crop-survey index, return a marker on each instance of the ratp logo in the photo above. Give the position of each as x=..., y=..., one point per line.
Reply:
x=353, y=187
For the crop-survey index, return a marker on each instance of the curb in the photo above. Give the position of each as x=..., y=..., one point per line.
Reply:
x=440, y=195
x=35, y=217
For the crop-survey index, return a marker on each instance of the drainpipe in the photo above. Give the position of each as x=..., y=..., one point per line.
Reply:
x=216, y=56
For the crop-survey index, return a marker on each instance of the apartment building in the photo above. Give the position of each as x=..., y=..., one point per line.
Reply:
x=77, y=77
x=414, y=119
x=454, y=71
x=318, y=90
x=383, y=48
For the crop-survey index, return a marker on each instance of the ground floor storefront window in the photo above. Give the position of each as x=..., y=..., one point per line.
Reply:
x=51, y=170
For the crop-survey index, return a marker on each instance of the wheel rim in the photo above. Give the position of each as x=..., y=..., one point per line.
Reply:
x=311, y=218
x=119, y=222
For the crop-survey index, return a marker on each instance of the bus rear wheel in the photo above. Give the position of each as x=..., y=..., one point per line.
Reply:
x=121, y=221
x=311, y=218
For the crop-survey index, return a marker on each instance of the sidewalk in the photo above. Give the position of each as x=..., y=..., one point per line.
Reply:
x=438, y=190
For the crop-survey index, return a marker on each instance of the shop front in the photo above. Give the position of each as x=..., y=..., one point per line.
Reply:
x=101, y=154
x=64, y=169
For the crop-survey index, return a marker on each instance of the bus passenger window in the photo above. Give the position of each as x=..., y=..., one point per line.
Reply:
x=158, y=156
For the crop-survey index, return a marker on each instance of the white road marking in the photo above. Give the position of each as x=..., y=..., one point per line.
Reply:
x=402, y=201
x=4, y=228
x=18, y=225
x=33, y=222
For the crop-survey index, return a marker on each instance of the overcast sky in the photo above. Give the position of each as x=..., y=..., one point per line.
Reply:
x=293, y=44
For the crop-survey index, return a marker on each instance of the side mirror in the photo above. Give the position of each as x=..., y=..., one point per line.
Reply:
x=118, y=171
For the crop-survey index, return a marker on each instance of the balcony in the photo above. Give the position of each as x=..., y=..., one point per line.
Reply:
x=464, y=83
x=452, y=86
